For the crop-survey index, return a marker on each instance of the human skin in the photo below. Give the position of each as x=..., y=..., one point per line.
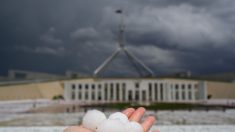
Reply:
x=131, y=113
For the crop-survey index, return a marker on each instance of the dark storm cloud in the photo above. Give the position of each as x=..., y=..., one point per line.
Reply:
x=168, y=35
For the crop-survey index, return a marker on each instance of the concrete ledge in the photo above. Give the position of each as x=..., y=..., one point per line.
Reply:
x=193, y=128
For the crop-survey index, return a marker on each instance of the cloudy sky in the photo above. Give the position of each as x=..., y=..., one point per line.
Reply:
x=167, y=35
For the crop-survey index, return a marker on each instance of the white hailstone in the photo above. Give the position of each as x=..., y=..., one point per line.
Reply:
x=110, y=125
x=133, y=127
x=92, y=119
x=119, y=116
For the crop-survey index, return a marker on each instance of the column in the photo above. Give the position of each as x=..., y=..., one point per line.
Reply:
x=120, y=92
x=140, y=95
x=133, y=94
x=83, y=92
x=76, y=92
x=90, y=93
x=173, y=92
x=186, y=92
x=153, y=92
x=169, y=92
x=127, y=94
x=108, y=92
x=193, y=92
x=147, y=93
x=158, y=92
x=102, y=92
x=124, y=91
x=97, y=89
x=180, y=92
x=114, y=92
x=164, y=91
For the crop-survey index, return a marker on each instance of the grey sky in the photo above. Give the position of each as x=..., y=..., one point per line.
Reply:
x=168, y=35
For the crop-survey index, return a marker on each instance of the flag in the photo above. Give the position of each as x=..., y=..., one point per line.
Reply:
x=119, y=11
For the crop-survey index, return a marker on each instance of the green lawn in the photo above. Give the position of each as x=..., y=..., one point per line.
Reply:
x=154, y=106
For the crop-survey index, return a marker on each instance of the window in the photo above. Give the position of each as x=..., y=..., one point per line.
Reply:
x=20, y=75
x=196, y=93
x=189, y=86
x=130, y=95
x=123, y=93
x=93, y=86
x=73, y=95
x=136, y=95
x=137, y=85
x=123, y=85
x=144, y=95
x=80, y=86
x=190, y=95
x=176, y=86
x=117, y=92
x=86, y=95
x=74, y=108
x=73, y=86
x=99, y=95
x=190, y=92
x=161, y=91
x=93, y=95
x=99, y=86
x=106, y=91
x=111, y=91
x=80, y=95
x=156, y=91
x=86, y=86
x=177, y=92
x=150, y=91
x=183, y=92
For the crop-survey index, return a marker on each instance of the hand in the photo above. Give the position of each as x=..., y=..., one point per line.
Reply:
x=132, y=114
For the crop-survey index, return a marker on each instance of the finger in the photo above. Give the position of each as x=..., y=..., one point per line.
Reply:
x=128, y=112
x=137, y=115
x=148, y=122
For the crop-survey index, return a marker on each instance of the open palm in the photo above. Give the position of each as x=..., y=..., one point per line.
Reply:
x=132, y=114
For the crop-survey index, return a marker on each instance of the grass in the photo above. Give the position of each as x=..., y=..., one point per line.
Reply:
x=153, y=106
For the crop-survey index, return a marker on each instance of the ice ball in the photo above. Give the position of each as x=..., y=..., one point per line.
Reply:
x=111, y=125
x=92, y=119
x=119, y=116
x=133, y=127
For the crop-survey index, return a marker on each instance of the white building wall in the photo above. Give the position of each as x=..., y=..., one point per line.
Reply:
x=202, y=90
x=66, y=91
x=161, y=90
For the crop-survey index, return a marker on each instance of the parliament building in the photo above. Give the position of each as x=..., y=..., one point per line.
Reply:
x=139, y=90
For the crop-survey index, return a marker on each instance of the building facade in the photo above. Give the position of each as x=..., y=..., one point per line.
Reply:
x=31, y=91
x=140, y=90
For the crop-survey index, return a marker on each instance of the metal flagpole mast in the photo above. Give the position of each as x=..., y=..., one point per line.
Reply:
x=134, y=60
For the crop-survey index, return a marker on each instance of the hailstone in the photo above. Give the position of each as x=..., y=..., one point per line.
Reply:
x=110, y=125
x=133, y=127
x=92, y=119
x=119, y=116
